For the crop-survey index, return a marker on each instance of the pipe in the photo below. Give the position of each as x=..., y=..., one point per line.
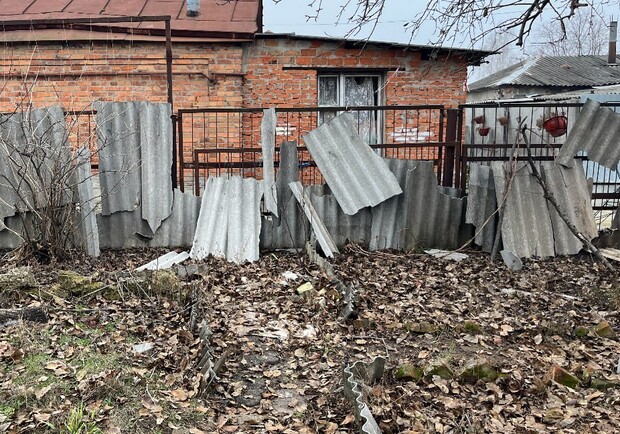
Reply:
x=613, y=37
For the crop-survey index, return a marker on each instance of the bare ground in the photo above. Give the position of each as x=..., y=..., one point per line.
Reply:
x=286, y=351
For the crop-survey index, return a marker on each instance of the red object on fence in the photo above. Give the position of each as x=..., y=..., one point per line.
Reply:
x=556, y=126
x=484, y=131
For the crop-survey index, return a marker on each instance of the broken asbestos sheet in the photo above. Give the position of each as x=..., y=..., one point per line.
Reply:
x=481, y=205
x=357, y=176
x=531, y=226
x=135, y=160
x=229, y=222
x=355, y=378
x=268, y=145
x=597, y=132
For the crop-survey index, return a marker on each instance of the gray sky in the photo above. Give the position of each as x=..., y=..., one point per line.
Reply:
x=289, y=16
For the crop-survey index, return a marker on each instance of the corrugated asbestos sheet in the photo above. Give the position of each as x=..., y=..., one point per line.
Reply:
x=268, y=145
x=290, y=230
x=388, y=218
x=165, y=261
x=123, y=229
x=357, y=176
x=597, y=132
x=531, y=226
x=526, y=228
x=323, y=236
x=341, y=227
x=229, y=221
x=31, y=142
x=570, y=189
x=481, y=204
x=432, y=219
x=86, y=194
x=135, y=159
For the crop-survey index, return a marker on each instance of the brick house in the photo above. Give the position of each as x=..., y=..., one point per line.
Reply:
x=220, y=59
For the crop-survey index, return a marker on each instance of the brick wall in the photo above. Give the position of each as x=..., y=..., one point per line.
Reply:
x=267, y=73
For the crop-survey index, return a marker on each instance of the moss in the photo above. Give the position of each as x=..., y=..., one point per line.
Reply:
x=440, y=369
x=72, y=283
x=581, y=331
x=408, y=372
x=480, y=370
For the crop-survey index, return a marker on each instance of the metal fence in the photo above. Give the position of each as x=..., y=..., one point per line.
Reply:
x=215, y=142
x=491, y=130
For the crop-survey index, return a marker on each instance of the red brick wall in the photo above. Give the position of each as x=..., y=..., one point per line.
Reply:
x=267, y=73
x=410, y=80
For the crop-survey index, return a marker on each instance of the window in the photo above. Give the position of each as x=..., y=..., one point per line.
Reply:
x=353, y=90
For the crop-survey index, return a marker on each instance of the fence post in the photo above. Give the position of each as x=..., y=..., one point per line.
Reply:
x=175, y=167
x=450, y=155
x=181, y=163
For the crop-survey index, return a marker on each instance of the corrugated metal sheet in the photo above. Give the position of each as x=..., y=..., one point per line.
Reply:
x=135, y=159
x=268, y=146
x=86, y=194
x=31, y=143
x=597, y=132
x=291, y=229
x=229, y=221
x=341, y=227
x=526, y=230
x=433, y=219
x=320, y=231
x=388, y=218
x=357, y=176
x=237, y=18
x=554, y=71
x=569, y=187
x=481, y=204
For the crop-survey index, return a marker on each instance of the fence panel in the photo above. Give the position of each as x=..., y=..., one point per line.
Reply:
x=217, y=142
x=491, y=130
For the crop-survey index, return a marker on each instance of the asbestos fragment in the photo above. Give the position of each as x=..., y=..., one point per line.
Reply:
x=322, y=234
x=354, y=377
x=268, y=145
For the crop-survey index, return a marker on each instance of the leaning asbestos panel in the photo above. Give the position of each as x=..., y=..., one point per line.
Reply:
x=570, y=189
x=481, y=205
x=229, y=222
x=357, y=176
x=597, y=132
x=432, y=219
x=290, y=230
x=86, y=194
x=388, y=218
x=268, y=146
x=526, y=229
x=341, y=227
x=320, y=231
x=135, y=159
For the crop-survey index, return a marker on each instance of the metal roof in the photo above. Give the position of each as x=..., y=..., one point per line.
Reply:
x=228, y=19
x=554, y=71
x=357, y=176
x=597, y=132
